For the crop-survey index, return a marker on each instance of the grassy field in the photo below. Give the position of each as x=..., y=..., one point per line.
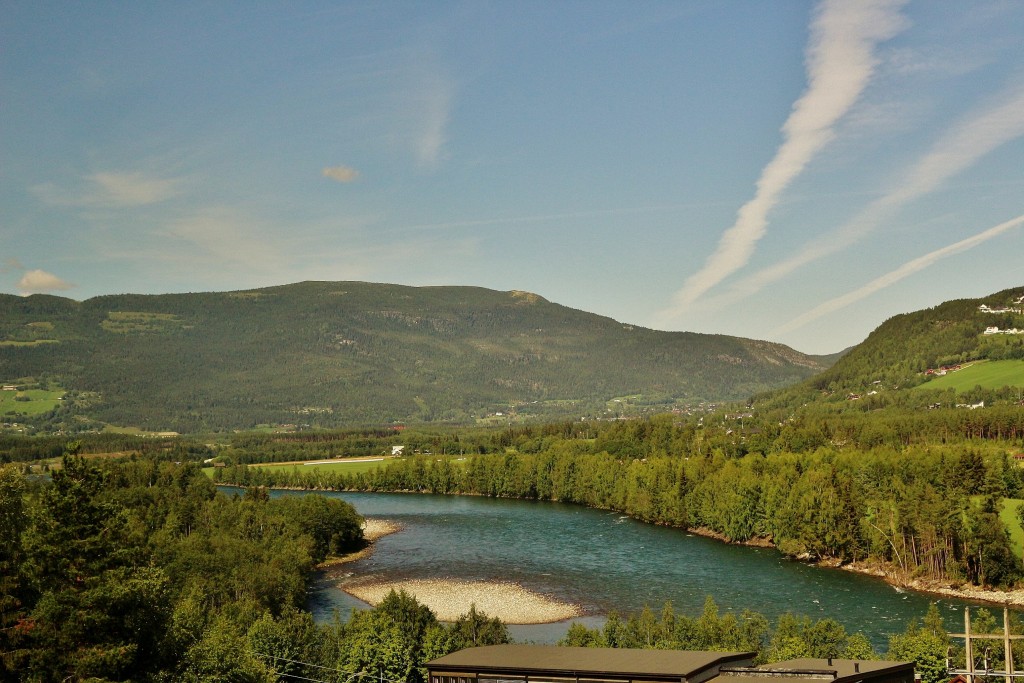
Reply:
x=39, y=401
x=348, y=466
x=354, y=466
x=989, y=374
x=1009, y=516
x=36, y=342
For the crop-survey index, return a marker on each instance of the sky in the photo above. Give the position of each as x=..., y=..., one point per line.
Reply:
x=791, y=171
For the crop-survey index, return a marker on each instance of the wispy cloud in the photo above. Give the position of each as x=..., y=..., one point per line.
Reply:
x=111, y=190
x=891, y=278
x=546, y=217
x=984, y=130
x=226, y=235
x=41, y=282
x=11, y=265
x=840, y=61
x=342, y=174
x=434, y=103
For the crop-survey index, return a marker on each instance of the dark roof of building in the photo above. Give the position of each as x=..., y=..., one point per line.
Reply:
x=837, y=670
x=584, y=660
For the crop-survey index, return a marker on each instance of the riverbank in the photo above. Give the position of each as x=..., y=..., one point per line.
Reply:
x=451, y=598
x=989, y=596
x=373, y=529
x=887, y=573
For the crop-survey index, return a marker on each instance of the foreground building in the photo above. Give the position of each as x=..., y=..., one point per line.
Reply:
x=550, y=664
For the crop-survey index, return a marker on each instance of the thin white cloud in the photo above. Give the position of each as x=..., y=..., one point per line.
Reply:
x=545, y=217
x=111, y=190
x=227, y=236
x=891, y=278
x=11, y=265
x=133, y=189
x=342, y=174
x=959, y=148
x=41, y=282
x=840, y=62
x=434, y=105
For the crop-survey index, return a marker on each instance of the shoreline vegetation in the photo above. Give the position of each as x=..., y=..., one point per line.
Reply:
x=989, y=596
x=450, y=598
x=373, y=529
x=442, y=592
x=485, y=592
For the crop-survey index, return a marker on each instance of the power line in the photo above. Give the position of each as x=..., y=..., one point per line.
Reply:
x=301, y=678
x=296, y=661
x=350, y=675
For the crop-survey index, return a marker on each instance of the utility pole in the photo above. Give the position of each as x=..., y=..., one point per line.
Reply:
x=970, y=670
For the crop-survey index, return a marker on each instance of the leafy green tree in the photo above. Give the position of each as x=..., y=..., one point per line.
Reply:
x=990, y=558
x=579, y=635
x=926, y=646
x=287, y=645
x=101, y=609
x=475, y=629
x=222, y=654
x=797, y=637
x=13, y=592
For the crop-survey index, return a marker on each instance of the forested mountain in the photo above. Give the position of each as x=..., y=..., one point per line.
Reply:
x=914, y=350
x=343, y=353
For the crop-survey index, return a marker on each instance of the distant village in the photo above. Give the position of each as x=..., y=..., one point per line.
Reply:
x=1002, y=310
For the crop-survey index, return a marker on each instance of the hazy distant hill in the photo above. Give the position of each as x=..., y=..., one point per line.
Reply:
x=342, y=353
x=909, y=351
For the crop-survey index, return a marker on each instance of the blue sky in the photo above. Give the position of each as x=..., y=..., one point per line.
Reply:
x=791, y=171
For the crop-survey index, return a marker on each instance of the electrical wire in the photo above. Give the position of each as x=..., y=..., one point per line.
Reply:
x=318, y=666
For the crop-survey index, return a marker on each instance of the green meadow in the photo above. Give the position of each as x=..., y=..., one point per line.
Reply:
x=345, y=466
x=38, y=401
x=348, y=467
x=993, y=374
x=353, y=466
x=1008, y=514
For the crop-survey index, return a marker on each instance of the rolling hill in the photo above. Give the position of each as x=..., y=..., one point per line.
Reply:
x=345, y=353
x=966, y=349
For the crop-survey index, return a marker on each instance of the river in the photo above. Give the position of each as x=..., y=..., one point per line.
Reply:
x=604, y=561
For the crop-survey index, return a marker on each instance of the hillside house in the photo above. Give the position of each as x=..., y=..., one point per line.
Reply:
x=971, y=406
x=1002, y=309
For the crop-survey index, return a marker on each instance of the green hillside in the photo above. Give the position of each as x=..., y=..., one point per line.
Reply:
x=993, y=374
x=341, y=353
x=966, y=349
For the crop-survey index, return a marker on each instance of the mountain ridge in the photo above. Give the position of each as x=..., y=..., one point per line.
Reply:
x=908, y=350
x=345, y=353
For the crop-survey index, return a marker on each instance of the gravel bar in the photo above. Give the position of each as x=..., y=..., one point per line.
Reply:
x=451, y=598
x=379, y=528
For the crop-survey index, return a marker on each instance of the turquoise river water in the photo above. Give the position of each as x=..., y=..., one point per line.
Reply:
x=604, y=561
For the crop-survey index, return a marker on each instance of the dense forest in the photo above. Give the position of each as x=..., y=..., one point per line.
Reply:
x=137, y=569
x=918, y=493
x=332, y=354
x=899, y=353
x=126, y=563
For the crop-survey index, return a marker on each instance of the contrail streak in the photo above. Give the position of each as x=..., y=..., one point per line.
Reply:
x=840, y=62
x=891, y=278
x=958, y=149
